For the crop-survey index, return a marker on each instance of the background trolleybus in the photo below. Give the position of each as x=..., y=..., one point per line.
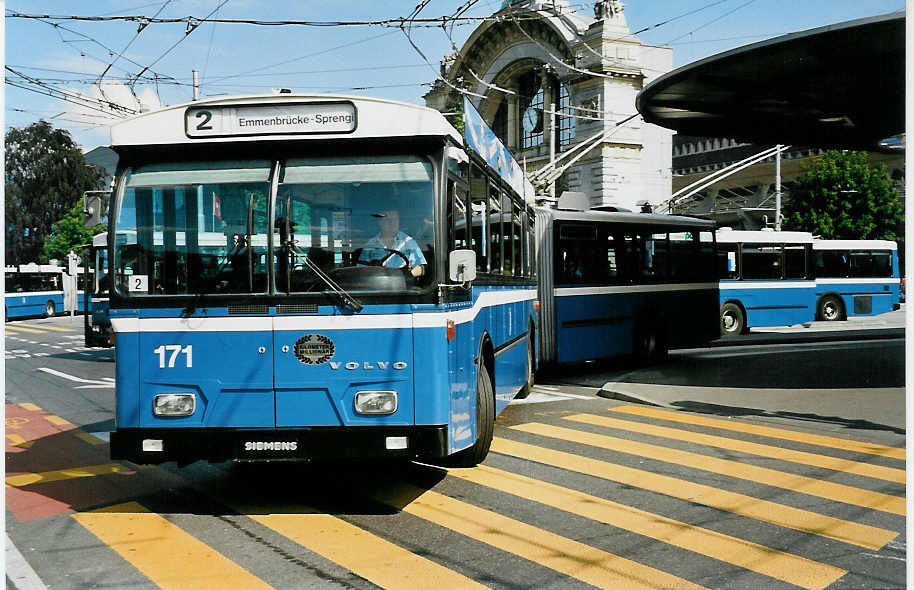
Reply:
x=855, y=278
x=33, y=290
x=624, y=283
x=290, y=282
x=766, y=279
x=97, y=322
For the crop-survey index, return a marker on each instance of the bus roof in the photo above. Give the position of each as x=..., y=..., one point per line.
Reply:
x=854, y=245
x=763, y=236
x=625, y=217
x=278, y=117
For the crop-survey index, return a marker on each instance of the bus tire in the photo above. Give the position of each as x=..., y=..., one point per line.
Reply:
x=485, y=423
x=650, y=342
x=49, y=309
x=732, y=319
x=528, y=386
x=830, y=309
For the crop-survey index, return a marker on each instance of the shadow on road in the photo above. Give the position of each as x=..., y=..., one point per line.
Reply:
x=736, y=411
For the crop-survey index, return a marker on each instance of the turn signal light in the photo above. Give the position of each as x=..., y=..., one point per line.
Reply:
x=451, y=330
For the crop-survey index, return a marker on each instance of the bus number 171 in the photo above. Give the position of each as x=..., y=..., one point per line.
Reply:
x=175, y=350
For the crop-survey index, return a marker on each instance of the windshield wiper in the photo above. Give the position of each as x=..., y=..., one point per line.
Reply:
x=344, y=297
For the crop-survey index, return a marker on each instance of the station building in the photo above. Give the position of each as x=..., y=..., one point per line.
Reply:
x=547, y=79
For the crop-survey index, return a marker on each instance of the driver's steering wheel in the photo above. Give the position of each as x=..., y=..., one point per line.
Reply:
x=391, y=253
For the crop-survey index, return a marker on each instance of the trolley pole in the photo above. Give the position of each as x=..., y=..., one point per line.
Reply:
x=196, y=84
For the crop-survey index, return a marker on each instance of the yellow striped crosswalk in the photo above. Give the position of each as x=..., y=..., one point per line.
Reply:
x=740, y=504
x=751, y=448
x=770, y=562
x=572, y=558
x=590, y=446
x=373, y=558
x=767, y=431
x=764, y=475
x=163, y=552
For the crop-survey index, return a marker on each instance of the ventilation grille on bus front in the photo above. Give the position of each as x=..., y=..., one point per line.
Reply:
x=297, y=308
x=242, y=308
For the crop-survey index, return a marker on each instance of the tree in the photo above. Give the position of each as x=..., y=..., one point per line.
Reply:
x=46, y=176
x=842, y=197
x=69, y=234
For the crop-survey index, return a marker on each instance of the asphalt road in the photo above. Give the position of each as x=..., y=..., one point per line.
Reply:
x=723, y=481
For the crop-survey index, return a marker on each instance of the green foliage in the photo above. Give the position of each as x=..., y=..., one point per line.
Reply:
x=69, y=234
x=842, y=197
x=46, y=176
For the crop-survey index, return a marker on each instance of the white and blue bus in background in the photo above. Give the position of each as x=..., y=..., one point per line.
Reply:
x=855, y=278
x=97, y=322
x=33, y=290
x=617, y=283
x=766, y=279
x=291, y=280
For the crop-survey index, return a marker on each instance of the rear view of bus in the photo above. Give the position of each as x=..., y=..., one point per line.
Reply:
x=286, y=285
x=766, y=279
x=855, y=278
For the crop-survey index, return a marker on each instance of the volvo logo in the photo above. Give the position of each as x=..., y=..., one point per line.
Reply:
x=314, y=349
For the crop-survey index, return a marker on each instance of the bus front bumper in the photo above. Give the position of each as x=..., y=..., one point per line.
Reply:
x=186, y=445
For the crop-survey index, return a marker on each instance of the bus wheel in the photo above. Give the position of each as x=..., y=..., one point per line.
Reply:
x=830, y=309
x=732, y=320
x=650, y=345
x=485, y=423
x=528, y=386
x=49, y=309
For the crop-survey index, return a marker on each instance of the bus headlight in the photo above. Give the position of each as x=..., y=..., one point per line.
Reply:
x=376, y=402
x=174, y=404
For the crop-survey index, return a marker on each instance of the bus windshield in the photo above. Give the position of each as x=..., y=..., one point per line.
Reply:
x=366, y=223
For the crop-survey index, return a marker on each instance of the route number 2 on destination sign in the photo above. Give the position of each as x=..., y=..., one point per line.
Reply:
x=175, y=350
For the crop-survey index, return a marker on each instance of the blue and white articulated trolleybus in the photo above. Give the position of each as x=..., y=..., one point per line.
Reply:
x=292, y=280
x=33, y=290
x=97, y=322
x=766, y=279
x=855, y=278
x=614, y=284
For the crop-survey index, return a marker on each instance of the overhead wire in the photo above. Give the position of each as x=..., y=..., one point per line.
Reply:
x=191, y=27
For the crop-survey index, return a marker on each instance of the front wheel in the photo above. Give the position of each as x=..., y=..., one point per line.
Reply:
x=732, y=320
x=650, y=342
x=49, y=309
x=485, y=423
x=830, y=309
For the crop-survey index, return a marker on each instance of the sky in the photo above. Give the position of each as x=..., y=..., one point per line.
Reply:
x=361, y=60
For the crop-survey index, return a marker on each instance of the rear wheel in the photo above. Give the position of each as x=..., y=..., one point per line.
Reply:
x=830, y=309
x=650, y=344
x=49, y=309
x=528, y=386
x=732, y=319
x=485, y=423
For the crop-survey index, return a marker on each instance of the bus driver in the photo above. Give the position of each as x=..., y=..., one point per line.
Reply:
x=390, y=240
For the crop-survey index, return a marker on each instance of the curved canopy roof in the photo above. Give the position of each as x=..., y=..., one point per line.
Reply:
x=838, y=86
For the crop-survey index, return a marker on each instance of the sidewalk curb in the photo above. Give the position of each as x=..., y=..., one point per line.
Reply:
x=610, y=390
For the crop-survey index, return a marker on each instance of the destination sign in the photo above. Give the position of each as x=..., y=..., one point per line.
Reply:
x=270, y=119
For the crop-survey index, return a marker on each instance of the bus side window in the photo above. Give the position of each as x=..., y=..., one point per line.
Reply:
x=727, y=256
x=479, y=210
x=762, y=261
x=795, y=261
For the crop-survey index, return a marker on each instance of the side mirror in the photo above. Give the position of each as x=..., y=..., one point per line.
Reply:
x=462, y=266
x=93, y=210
